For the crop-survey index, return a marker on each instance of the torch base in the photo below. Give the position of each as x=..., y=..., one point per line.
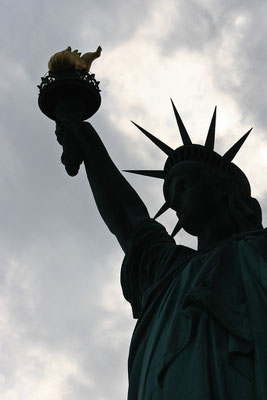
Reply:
x=82, y=89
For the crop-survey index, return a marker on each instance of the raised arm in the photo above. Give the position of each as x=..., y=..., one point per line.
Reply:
x=118, y=203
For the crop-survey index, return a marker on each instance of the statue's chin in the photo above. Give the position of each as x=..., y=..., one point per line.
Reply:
x=190, y=224
x=192, y=230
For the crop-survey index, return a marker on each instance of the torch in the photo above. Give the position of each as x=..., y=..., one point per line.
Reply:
x=69, y=94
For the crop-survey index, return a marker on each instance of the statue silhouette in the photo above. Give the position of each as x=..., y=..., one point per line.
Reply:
x=201, y=332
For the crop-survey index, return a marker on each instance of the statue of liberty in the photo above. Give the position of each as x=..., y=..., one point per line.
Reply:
x=201, y=331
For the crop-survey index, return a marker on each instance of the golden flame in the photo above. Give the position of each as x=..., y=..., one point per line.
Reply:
x=67, y=60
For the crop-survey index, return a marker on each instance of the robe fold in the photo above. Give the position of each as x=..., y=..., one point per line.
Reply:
x=201, y=332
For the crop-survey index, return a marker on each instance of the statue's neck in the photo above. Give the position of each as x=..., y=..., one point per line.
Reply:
x=221, y=227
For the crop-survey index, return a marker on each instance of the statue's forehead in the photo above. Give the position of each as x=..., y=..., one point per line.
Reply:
x=188, y=167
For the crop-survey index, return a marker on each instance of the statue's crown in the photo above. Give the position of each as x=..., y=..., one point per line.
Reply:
x=195, y=152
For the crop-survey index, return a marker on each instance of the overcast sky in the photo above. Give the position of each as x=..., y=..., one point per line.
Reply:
x=65, y=327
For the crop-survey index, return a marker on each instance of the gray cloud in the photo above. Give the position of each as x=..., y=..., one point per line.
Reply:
x=204, y=26
x=194, y=28
x=59, y=277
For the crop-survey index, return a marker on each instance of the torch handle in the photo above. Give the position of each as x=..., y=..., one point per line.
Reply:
x=68, y=112
x=71, y=156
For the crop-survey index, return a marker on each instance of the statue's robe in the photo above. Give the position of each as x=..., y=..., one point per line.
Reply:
x=201, y=332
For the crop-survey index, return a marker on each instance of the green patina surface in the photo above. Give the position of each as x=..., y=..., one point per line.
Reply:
x=202, y=321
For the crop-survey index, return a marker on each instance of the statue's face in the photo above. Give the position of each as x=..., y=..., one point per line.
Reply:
x=194, y=197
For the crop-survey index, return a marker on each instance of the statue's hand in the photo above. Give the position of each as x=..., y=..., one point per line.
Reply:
x=72, y=155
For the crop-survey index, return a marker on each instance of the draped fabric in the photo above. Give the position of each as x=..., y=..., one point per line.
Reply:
x=201, y=332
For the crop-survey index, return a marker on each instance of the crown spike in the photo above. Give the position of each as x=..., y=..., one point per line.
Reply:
x=162, y=210
x=152, y=173
x=231, y=153
x=177, y=228
x=183, y=132
x=164, y=147
x=209, y=144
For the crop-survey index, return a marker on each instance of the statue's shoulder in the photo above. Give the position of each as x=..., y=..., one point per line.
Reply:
x=253, y=234
x=152, y=235
x=253, y=255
